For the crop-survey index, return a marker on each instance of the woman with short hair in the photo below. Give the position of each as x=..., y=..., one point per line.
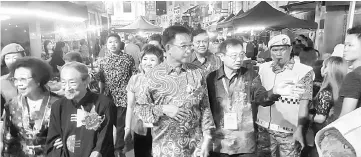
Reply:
x=27, y=115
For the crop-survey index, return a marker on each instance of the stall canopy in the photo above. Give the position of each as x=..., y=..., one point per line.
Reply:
x=228, y=18
x=264, y=15
x=232, y=16
x=213, y=27
x=140, y=24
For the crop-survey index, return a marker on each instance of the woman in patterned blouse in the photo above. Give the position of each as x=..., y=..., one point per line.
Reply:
x=151, y=56
x=333, y=70
x=27, y=115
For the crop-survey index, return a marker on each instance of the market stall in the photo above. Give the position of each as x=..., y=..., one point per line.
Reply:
x=264, y=15
x=140, y=24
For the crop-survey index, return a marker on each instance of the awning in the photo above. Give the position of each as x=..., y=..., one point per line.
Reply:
x=264, y=15
x=140, y=24
x=228, y=18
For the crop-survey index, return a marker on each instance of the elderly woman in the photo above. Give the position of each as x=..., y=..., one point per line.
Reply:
x=27, y=114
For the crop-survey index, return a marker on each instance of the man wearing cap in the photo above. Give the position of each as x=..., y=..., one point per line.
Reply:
x=280, y=124
x=9, y=54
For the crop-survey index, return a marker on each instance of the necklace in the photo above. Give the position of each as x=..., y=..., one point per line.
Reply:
x=30, y=124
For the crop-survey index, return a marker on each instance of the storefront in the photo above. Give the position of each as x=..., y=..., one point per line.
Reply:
x=31, y=23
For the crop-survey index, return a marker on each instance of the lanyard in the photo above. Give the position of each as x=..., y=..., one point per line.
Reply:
x=226, y=88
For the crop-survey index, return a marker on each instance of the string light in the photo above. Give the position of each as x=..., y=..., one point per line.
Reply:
x=4, y=17
x=40, y=13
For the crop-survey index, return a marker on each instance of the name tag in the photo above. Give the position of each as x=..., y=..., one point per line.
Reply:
x=230, y=121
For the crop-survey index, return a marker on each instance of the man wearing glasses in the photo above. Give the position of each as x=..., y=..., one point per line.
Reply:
x=202, y=57
x=175, y=99
x=280, y=124
x=232, y=89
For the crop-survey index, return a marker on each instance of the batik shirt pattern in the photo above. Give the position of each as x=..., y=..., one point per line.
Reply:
x=134, y=86
x=25, y=132
x=243, y=88
x=183, y=87
x=212, y=62
x=115, y=71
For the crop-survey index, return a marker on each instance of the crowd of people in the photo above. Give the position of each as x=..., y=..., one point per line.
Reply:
x=182, y=94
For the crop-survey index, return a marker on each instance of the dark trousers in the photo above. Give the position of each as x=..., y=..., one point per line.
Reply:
x=214, y=154
x=119, y=125
x=143, y=145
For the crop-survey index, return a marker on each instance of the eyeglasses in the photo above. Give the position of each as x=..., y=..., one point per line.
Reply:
x=20, y=80
x=184, y=47
x=238, y=55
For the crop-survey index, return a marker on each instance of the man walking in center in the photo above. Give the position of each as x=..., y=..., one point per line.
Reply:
x=175, y=100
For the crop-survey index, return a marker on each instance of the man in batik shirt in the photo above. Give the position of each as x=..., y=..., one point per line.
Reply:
x=175, y=100
x=280, y=125
x=115, y=70
x=82, y=121
x=202, y=57
x=232, y=89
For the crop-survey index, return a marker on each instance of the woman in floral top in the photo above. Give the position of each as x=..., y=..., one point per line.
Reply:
x=27, y=115
x=333, y=70
x=151, y=57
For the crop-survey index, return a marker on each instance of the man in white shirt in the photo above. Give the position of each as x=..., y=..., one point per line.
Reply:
x=280, y=124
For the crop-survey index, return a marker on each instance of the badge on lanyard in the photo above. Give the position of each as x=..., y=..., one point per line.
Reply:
x=230, y=121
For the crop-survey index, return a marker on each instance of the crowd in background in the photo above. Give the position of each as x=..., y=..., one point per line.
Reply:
x=181, y=93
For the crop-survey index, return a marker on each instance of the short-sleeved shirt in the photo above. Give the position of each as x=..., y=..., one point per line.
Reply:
x=351, y=87
x=134, y=86
x=115, y=71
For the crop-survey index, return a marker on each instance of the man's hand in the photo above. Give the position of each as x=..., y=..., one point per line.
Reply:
x=58, y=143
x=127, y=134
x=95, y=154
x=204, y=151
x=288, y=88
x=298, y=137
x=174, y=112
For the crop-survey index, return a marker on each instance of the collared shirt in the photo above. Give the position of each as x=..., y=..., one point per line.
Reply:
x=242, y=89
x=212, y=62
x=185, y=88
x=83, y=126
x=283, y=115
x=135, y=86
x=277, y=69
x=115, y=71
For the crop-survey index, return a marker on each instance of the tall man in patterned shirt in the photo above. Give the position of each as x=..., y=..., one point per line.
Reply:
x=175, y=100
x=202, y=57
x=115, y=70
